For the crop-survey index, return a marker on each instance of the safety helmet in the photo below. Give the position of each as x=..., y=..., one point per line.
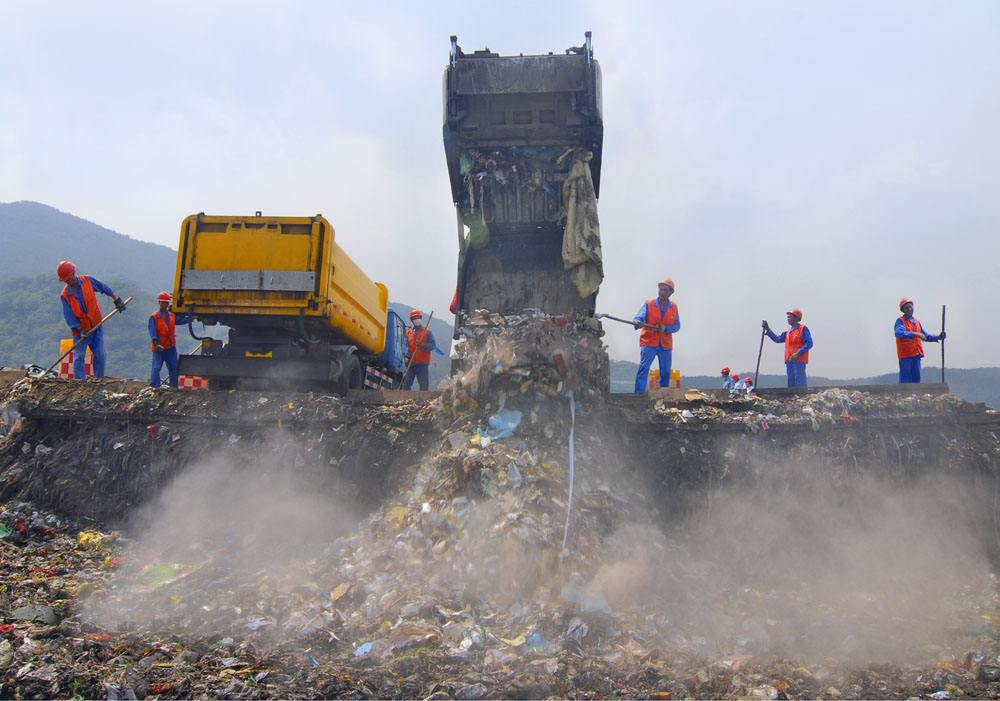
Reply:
x=748, y=379
x=725, y=371
x=796, y=313
x=163, y=297
x=65, y=270
x=416, y=314
x=735, y=377
x=904, y=301
x=666, y=283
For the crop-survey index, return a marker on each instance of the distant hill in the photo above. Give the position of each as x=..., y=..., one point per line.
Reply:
x=973, y=385
x=35, y=237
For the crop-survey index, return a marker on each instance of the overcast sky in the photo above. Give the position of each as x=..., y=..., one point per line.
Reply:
x=833, y=156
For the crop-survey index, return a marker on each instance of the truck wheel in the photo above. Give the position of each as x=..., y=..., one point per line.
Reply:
x=353, y=373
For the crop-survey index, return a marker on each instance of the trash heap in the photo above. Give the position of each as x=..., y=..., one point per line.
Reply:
x=527, y=358
x=516, y=552
x=830, y=407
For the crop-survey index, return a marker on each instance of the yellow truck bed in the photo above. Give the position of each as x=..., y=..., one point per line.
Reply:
x=272, y=270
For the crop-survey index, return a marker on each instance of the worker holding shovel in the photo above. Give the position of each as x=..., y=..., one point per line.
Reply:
x=83, y=315
x=659, y=320
x=910, y=335
x=797, y=342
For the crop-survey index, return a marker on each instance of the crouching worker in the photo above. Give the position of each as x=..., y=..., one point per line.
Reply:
x=163, y=340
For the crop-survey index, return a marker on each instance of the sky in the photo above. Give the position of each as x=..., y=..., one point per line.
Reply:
x=831, y=156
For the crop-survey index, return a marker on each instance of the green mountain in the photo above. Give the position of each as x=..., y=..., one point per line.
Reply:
x=35, y=237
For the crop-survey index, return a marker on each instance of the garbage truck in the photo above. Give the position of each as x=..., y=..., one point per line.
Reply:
x=300, y=313
x=523, y=137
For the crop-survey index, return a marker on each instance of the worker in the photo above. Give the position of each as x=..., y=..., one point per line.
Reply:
x=910, y=336
x=83, y=316
x=748, y=384
x=659, y=320
x=736, y=383
x=727, y=381
x=163, y=340
x=420, y=343
x=797, y=342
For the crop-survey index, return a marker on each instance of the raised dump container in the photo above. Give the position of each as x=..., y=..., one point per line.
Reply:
x=297, y=307
x=514, y=127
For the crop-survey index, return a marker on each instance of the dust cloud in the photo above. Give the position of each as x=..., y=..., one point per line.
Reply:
x=247, y=520
x=804, y=562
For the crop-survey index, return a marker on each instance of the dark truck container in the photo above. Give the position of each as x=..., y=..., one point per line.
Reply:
x=513, y=127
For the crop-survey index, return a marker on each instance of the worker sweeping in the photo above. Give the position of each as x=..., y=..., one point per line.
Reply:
x=659, y=320
x=910, y=336
x=420, y=342
x=83, y=316
x=163, y=340
x=797, y=342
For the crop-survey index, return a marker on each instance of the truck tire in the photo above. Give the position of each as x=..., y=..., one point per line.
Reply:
x=352, y=373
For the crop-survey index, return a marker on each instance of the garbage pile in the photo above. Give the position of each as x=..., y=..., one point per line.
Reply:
x=830, y=407
x=527, y=358
x=520, y=547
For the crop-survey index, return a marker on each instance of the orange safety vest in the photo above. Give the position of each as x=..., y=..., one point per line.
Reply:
x=910, y=347
x=89, y=317
x=651, y=337
x=164, y=331
x=793, y=341
x=421, y=356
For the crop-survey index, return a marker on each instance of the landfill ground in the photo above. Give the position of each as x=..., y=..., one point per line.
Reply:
x=169, y=544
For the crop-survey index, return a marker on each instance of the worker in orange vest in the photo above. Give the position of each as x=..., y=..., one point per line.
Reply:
x=659, y=320
x=163, y=340
x=910, y=335
x=420, y=342
x=798, y=340
x=83, y=314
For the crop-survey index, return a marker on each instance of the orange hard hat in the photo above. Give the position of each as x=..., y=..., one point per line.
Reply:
x=725, y=371
x=796, y=313
x=65, y=270
x=668, y=283
x=904, y=301
x=163, y=297
x=416, y=314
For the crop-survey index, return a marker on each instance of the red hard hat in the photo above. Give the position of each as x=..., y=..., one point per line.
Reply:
x=795, y=313
x=416, y=314
x=748, y=379
x=904, y=301
x=725, y=371
x=735, y=377
x=65, y=270
x=668, y=282
x=163, y=297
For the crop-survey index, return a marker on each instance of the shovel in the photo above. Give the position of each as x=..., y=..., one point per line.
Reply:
x=35, y=372
x=628, y=321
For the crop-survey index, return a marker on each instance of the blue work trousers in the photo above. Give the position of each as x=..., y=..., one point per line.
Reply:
x=796, y=374
x=646, y=355
x=166, y=357
x=95, y=341
x=420, y=373
x=909, y=370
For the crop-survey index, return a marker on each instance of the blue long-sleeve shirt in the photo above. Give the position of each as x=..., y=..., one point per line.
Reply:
x=901, y=331
x=807, y=339
x=179, y=320
x=68, y=314
x=640, y=317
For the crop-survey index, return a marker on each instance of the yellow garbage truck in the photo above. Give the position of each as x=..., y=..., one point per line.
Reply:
x=300, y=313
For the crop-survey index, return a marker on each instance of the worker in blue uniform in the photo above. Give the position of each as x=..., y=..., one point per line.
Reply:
x=163, y=340
x=910, y=335
x=83, y=316
x=659, y=320
x=798, y=340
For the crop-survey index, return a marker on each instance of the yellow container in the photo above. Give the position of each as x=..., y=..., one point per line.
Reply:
x=654, y=379
x=675, y=378
x=277, y=272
